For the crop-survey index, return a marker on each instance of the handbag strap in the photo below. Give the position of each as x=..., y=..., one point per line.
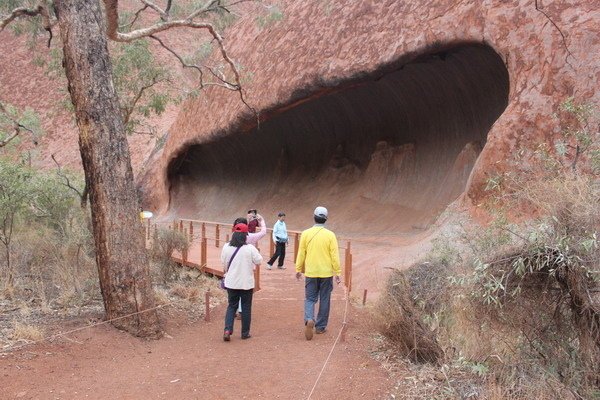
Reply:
x=232, y=257
x=313, y=237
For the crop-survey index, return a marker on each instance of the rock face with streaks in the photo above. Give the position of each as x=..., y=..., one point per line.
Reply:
x=384, y=111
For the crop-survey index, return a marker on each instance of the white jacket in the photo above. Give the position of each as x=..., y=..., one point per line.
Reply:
x=240, y=274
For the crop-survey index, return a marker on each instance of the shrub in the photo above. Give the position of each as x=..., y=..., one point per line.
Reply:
x=167, y=241
x=48, y=256
x=521, y=301
x=398, y=319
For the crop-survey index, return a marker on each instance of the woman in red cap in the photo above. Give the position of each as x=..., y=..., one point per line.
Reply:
x=239, y=260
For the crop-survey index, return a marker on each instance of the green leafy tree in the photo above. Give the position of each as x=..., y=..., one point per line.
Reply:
x=85, y=30
x=15, y=197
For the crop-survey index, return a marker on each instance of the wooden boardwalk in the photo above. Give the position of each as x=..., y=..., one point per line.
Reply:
x=207, y=238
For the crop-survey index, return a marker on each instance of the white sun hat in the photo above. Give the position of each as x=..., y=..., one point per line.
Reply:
x=321, y=212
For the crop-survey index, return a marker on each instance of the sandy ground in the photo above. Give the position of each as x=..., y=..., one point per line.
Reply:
x=193, y=362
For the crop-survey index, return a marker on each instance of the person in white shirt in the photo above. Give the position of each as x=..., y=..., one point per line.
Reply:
x=252, y=239
x=239, y=261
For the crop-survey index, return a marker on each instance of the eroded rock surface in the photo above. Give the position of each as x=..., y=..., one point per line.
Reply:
x=321, y=54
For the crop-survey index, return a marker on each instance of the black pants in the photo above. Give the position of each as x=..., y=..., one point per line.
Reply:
x=234, y=296
x=279, y=252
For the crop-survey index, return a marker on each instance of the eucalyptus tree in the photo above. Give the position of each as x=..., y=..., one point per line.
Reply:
x=86, y=28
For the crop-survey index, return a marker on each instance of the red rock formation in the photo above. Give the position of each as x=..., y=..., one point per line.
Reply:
x=319, y=45
x=322, y=46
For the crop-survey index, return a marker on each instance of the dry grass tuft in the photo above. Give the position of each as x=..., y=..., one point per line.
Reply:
x=191, y=294
x=26, y=332
x=161, y=297
x=400, y=321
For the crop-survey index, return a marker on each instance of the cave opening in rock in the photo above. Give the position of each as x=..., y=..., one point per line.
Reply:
x=386, y=153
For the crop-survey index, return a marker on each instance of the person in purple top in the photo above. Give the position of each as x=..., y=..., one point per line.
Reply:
x=252, y=221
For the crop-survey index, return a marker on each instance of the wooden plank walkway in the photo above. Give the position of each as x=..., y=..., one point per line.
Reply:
x=207, y=238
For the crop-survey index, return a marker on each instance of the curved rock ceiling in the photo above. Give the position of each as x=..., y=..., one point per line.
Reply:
x=387, y=152
x=344, y=125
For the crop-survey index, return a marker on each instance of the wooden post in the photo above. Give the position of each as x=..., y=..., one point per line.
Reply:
x=296, y=245
x=217, y=234
x=203, y=231
x=184, y=253
x=347, y=268
x=203, y=250
x=350, y=275
x=271, y=246
x=365, y=297
x=207, y=305
x=155, y=239
x=149, y=226
x=181, y=226
x=191, y=231
x=174, y=225
x=257, y=279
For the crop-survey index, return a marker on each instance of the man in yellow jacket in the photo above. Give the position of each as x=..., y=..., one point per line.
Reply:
x=319, y=259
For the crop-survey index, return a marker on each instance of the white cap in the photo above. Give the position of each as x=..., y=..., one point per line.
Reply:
x=320, y=212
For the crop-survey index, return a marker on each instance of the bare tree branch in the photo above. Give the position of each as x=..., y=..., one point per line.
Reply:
x=17, y=13
x=82, y=195
x=135, y=17
x=42, y=9
x=9, y=138
x=168, y=7
x=17, y=128
x=207, y=7
x=112, y=16
x=225, y=84
x=129, y=110
x=163, y=14
x=47, y=21
x=181, y=60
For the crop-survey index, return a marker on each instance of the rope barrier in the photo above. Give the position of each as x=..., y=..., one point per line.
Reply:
x=344, y=323
x=57, y=335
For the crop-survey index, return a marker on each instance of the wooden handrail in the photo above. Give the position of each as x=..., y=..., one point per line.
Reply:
x=228, y=226
x=189, y=231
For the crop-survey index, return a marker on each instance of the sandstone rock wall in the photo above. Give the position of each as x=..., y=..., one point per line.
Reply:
x=319, y=44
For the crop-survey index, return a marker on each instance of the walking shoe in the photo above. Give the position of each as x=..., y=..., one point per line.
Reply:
x=319, y=331
x=226, y=336
x=308, y=329
x=248, y=336
x=269, y=266
x=281, y=267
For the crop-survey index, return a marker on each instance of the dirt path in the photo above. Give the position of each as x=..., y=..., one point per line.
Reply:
x=194, y=362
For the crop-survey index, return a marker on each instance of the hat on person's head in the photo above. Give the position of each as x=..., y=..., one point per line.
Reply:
x=320, y=212
x=240, y=228
x=281, y=214
x=252, y=211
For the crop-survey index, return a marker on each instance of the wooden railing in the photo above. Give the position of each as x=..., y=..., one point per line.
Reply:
x=201, y=233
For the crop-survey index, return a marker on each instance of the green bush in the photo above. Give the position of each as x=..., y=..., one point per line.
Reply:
x=47, y=252
x=168, y=241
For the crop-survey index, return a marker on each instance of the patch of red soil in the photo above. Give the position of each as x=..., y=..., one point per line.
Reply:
x=194, y=363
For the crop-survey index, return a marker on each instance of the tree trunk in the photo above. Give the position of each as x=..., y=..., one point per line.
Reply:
x=10, y=275
x=120, y=248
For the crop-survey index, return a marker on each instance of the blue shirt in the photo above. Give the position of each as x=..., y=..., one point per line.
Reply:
x=280, y=232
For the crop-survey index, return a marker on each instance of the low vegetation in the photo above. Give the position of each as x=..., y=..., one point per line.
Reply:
x=514, y=304
x=48, y=273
